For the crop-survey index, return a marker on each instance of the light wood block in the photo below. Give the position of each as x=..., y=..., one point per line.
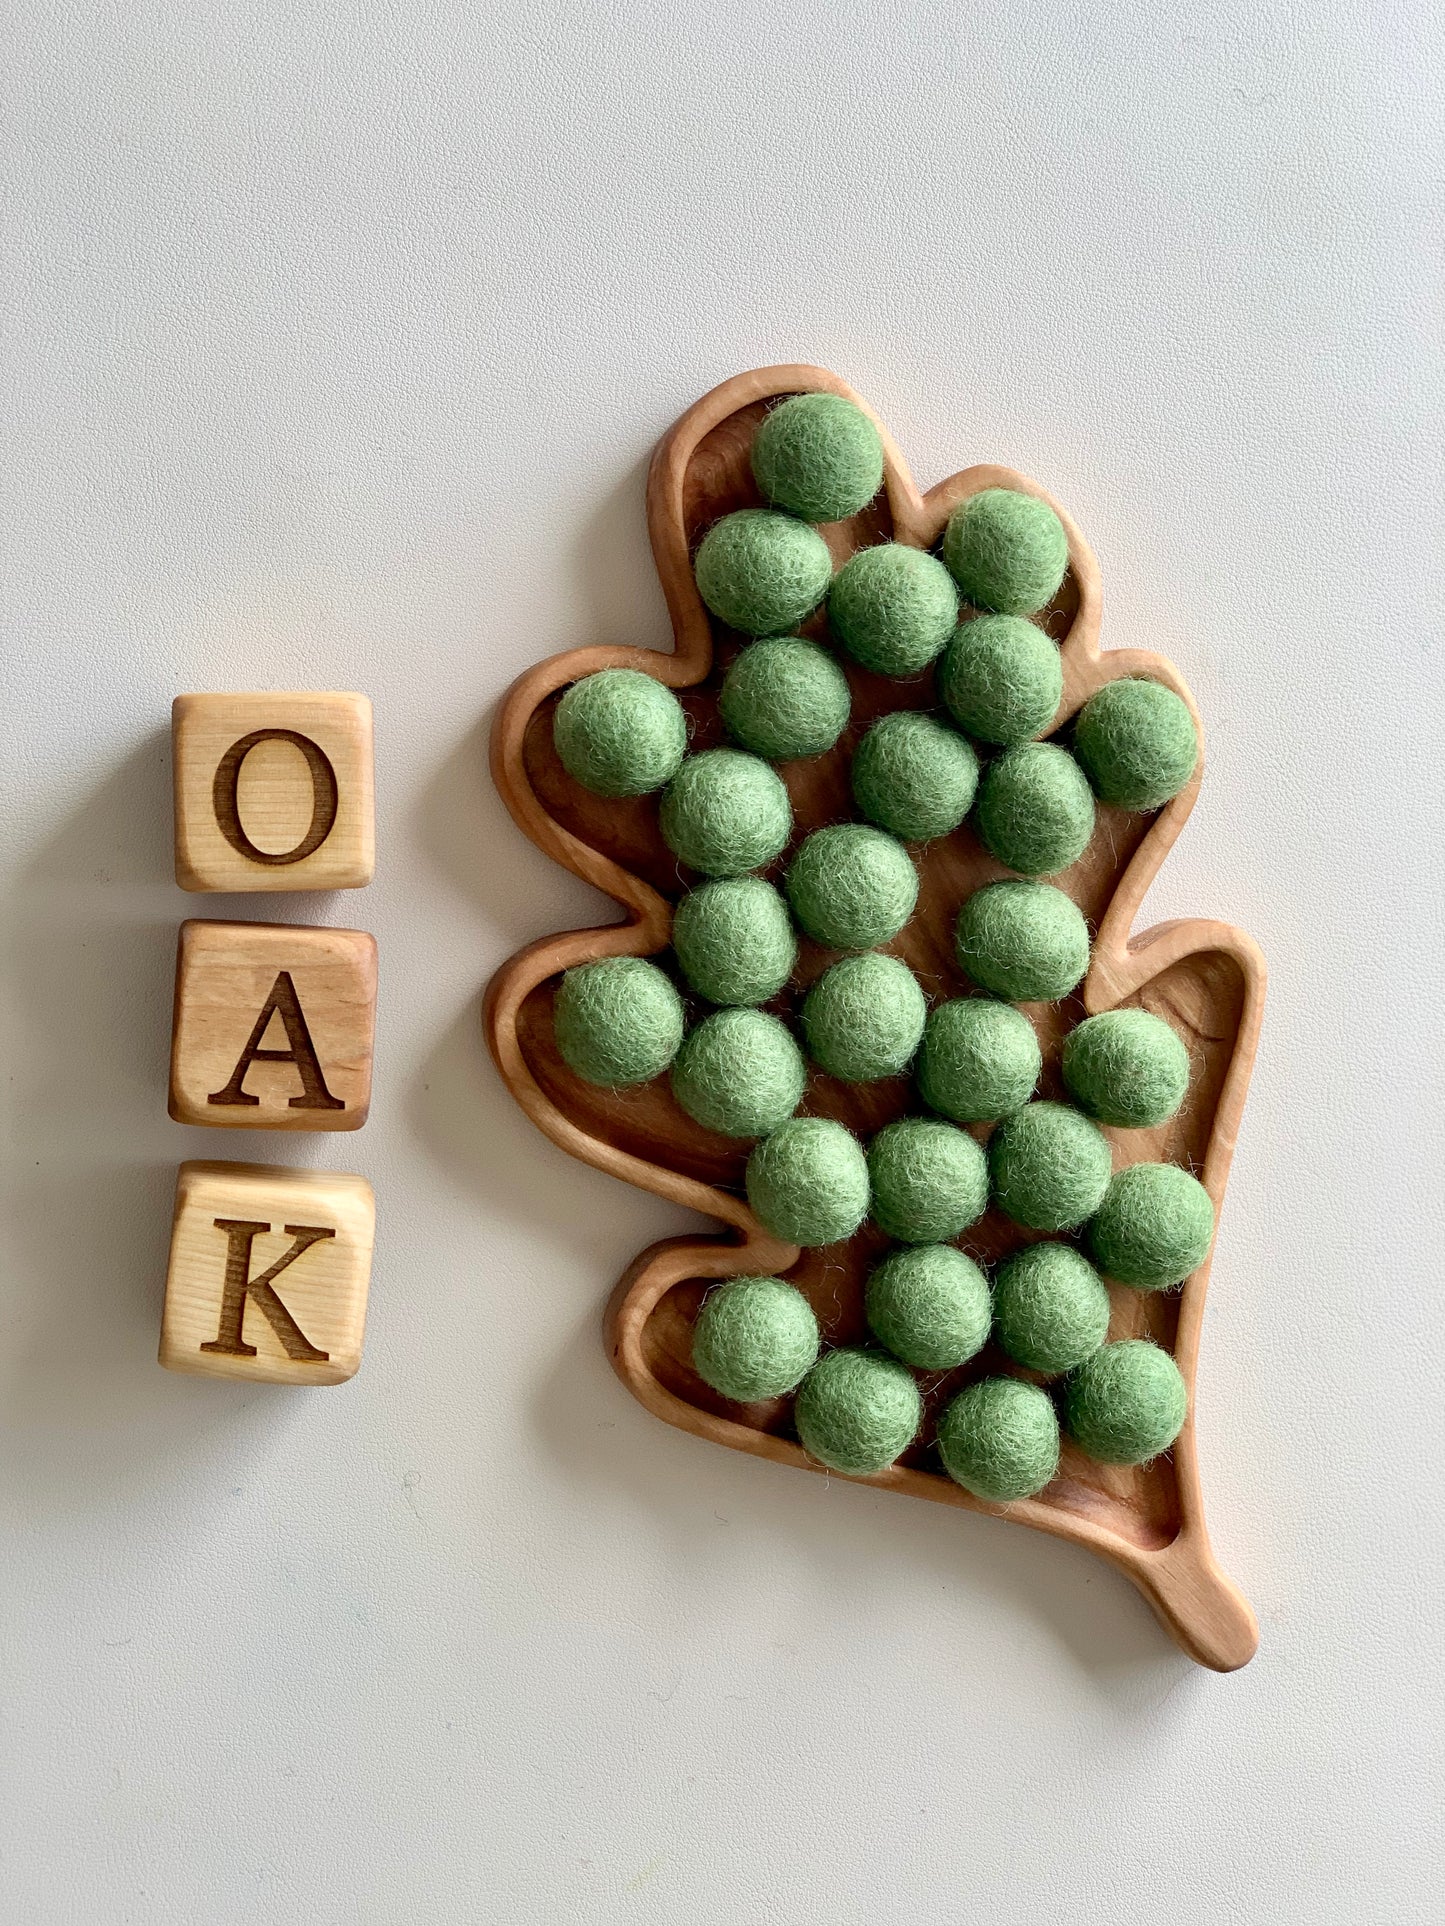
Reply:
x=269, y=1273
x=274, y=1026
x=274, y=791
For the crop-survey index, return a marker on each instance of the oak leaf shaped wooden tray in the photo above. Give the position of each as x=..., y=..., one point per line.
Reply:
x=1206, y=978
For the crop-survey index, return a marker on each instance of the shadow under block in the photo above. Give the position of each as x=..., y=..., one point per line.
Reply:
x=268, y=1274
x=274, y=791
x=274, y=1026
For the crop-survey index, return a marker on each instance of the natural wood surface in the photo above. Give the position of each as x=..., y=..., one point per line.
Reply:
x=268, y=1274
x=1206, y=978
x=273, y=1027
x=273, y=790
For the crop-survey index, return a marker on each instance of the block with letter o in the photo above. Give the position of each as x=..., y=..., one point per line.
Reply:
x=274, y=791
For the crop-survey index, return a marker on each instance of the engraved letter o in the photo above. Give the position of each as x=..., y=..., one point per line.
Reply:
x=323, y=797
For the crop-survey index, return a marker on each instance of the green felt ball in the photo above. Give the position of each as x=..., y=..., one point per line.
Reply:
x=818, y=456
x=617, y=1021
x=1001, y=679
x=979, y=1060
x=808, y=1182
x=620, y=733
x=862, y=1019
x=1035, y=809
x=739, y=1072
x=892, y=608
x=1126, y=1067
x=852, y=886
x=784, y=698
x=1006, y=551
x=762, y=572
x=1153, y=1228
x=999, y=1439
x=1137, y=743
x=1049, y=1166
x=734, y=940
x=1051, y=1308
x=754, y=1338
x=929, y=1305
x=725, y=812
x=929, y=1180
x=857, y=1410
x=1126, y=1403
x=1024, y=941
x=914, y=776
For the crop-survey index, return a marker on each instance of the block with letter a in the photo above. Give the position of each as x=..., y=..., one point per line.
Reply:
x=273, y=791
x=274, y=1025
x=268, y=1274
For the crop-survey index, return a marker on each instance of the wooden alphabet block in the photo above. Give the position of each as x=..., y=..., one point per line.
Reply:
x=268, y=1274
x=273, y=791
x=273, y=1026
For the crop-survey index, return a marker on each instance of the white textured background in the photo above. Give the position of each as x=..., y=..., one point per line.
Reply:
x=338, y=337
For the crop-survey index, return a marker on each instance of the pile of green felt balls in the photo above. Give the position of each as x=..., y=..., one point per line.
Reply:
x=896, y=611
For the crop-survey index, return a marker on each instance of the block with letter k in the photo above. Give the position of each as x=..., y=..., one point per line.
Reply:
x=268, y=1273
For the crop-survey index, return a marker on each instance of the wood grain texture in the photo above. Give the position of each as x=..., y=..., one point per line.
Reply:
x=273, y=790
x=269, y=1273
x=1207, y=978
x=307, y=1065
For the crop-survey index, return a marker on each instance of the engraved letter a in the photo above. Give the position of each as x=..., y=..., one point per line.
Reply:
x=240, y=1285
x=283, y=1002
